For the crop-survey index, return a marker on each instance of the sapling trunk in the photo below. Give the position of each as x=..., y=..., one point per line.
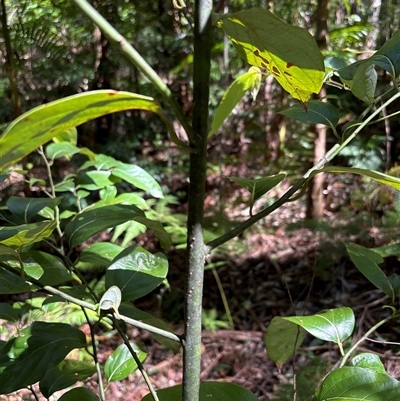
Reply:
x=198, y=160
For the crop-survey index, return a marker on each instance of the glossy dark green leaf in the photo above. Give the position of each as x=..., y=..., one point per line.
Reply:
x=90, y=222
x=358, y=384
x=12, y=283
x=120, y=364
x=41, y=124
x=282, y=339
x=367, y=261
x=214, y=391
x=233, y=95
x=7, y=312
x=79, y=394
x=317, y=113
x=368, y=361
x=130, y=311
x=139, y=178
x=26, y=208
x=37, y=349
x=289, y=53
x=389, y=53
x=136, y=272
x=334, y=325
x=53, y=269
x=64, y=375
x=27, y=234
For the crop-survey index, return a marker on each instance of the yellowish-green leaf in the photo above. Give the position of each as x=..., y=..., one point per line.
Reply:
x=289, y=53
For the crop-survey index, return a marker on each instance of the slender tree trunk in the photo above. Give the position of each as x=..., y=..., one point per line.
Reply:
x=10, y=64
x=197, y=175
x=315, y=198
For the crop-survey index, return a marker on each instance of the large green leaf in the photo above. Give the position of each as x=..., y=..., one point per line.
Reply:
x=334, y=325
x=79, y=394
x=136, y=272
x=41, y=124
x=120, y=364
x=90, y=222
x=98, y=255
x=139, y=178
x=209, y=391
x=64, y=375
x=367, y=261
x=233, y=95
x=289, y=53
x=317, y=113
x=282, y=339
x=368, y=361
x=27, y=234
x=358, y=384
x=26, y=208
x=37, y=349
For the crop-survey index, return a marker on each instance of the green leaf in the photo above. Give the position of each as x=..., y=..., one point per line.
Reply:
x=317, y=113
x=361, y=78
x=130, y=311
x=41, y=124
x=391, y=52
x=233, y=95
x=70, y=136
x=90, y=222
x=94, y=180
x=120, y=364
x=26, y=208
x=99, y=254
x=158, y=229
x=384, y=179
x=53, y=269
x=334, y=325
x=282, y=339
x=385, y=250
x=28, y=234
x=66, y=149
x=136, y=272
x=368, y=361
x=366, y=260
x=64, y=375
x=12, y=283
x=80, y=393
x=7, y=312
x=358, y=384
x=258, y=187
x=111, y=299
x=209, y=391
x=38, y=348
x=139, y=178
x=289, y=53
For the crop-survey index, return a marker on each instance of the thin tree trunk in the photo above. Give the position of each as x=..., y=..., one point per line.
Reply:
x=197, y=175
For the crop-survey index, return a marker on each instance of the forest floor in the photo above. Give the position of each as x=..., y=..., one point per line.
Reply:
x=284, y=266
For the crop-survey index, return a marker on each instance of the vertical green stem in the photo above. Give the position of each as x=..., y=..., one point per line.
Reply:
x=197, y=175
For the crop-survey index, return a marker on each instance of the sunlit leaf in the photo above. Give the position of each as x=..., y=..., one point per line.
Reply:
x=334, y=325
x=368, y=361
x=234, y=94
x=66, y=149
x=289, y=53
x=120, y=364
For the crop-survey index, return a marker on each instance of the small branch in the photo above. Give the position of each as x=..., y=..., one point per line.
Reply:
x=137, y=60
